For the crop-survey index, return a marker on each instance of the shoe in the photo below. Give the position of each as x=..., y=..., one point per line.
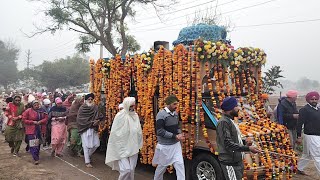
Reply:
x=12, y=150
x=89, y=165
x=16, y=155
x=53, y=153
x=36, y=163
x=59, y=155
x=302, y=173
x=27, y=148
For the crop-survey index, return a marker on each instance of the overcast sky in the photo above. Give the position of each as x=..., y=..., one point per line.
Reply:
x=294, y=46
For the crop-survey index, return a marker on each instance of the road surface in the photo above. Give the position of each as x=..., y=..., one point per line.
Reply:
x=73, y=168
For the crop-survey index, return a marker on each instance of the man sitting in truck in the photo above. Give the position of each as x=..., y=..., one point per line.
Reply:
x=168, y=150
x=229, y=141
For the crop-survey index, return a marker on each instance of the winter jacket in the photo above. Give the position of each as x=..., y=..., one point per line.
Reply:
x=229, y=147
x=29, y=116
x=287, y=110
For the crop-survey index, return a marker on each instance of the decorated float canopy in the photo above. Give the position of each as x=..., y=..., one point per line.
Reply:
x=212, y=33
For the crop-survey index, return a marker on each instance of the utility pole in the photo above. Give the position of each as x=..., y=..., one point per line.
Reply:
x=28, y=61
x=101, y=51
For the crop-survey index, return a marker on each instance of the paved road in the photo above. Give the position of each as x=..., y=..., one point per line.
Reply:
x=73, y=168
x=66, y=168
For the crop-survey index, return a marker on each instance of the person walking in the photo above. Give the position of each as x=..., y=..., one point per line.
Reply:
x=309, y=117
x=35, y=120
x=88, y=121
x=168, y=150
x=58, y=116
x=14, y=133
x=125, y=141
x=230, y=145
x=289, y=113
x=75, y=139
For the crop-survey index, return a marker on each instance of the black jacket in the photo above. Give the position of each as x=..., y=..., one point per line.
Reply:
x=229, y=147
x=310, y=117
x=288, y=109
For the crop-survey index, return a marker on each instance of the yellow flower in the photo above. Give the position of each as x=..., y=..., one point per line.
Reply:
x=143, y=56
x=232, y=62
x=149, y=58
x=199, y=49
x=202, y=57
x=206, y=47
x=235, y=54
x=218, y=43
x=208, y=56
x=209, y=42
x=108, y=64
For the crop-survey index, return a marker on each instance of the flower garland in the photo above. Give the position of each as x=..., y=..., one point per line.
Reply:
x=180, y=72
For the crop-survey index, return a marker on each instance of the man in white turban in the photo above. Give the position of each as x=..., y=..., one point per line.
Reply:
x=125, y=141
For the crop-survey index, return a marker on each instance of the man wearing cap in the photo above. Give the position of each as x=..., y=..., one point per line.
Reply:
x=288, y=112
x=229, y=141
x=168, y=150
x=309, y=117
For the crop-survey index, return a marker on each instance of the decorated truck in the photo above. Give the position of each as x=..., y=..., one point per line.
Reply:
x=201, y=70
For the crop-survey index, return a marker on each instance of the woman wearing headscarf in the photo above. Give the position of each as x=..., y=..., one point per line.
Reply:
x=75, y=139
x=58, y=117
x=35, y=120
x=125, y=141
x=68, y=102
x=14, y=132
x=88, y=120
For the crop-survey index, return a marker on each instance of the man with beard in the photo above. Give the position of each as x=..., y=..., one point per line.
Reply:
x=309, y=116
x=168, y=150
x=229, y=141
x=88, y=120
x=125, y=140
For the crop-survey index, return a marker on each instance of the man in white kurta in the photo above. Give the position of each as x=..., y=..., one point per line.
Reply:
x=309, y=117
x=87, y=121
x=125, y=141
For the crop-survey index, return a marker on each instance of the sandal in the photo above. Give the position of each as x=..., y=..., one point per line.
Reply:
x=89, y=165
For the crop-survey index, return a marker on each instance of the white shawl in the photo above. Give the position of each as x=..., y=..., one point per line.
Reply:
x=125, y=137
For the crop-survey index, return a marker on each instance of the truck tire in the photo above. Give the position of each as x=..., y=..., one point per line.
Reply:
x=206, y=167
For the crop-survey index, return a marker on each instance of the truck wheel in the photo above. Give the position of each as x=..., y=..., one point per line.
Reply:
x=206, y=167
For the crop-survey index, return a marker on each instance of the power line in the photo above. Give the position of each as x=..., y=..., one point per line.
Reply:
x=171, y=19
x=279, y=23
x=153, y=17
x=247, y=7
x=268, y=24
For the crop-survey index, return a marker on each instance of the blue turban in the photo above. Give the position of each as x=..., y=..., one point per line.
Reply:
x=229, y=103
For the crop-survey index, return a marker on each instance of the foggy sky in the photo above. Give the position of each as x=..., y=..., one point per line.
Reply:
x=295, y=47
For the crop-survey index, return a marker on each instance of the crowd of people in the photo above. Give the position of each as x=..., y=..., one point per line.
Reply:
x=51, y=121
x=75, y=120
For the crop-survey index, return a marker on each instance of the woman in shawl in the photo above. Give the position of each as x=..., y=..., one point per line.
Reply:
x=75, y=140
x=125, y=141
x=58, y=119
x=88, y=120
x=14, y=133
x=68, y=102
x=35, y=120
